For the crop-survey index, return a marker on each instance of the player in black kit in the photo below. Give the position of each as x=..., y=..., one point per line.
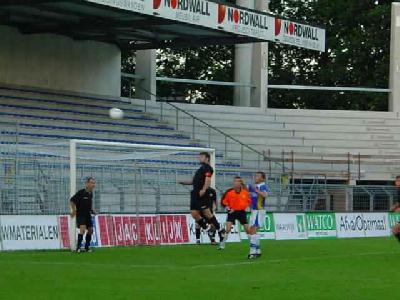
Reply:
x=82, y=207
x=200, y=202
x=212, y=194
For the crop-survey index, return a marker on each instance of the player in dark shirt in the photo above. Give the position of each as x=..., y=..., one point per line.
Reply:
x=212, y=194
x=82, y=208
x=200, y=201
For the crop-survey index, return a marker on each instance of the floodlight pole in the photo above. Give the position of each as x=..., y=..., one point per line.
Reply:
x=146, y=66
x=251, y=66
x=394, y=77
x=243, y=66
x=259, y=70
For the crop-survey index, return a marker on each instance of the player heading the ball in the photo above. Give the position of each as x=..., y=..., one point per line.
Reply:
x=200, y=201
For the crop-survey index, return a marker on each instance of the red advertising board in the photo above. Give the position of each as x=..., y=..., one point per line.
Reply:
x=127, y=230
x=64, y=231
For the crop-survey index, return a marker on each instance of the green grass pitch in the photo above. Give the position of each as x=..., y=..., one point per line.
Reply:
x=313, y=269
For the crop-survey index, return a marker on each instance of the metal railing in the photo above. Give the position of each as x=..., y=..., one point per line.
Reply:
x=346, y=166
x=327, y=88
x=232, y=149
x=33, y=183
x=211, y=128
x=269, y=86
x=284, y=161
x=39, y=184
x=316, y=197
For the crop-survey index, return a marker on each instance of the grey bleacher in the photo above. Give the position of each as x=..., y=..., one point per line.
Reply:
x=30, y=117
x=320, y=141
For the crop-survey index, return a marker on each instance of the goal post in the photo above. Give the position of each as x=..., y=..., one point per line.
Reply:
x=132, y=170
x=74, y=142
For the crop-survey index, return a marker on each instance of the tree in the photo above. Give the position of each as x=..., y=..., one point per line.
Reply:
x=358, y=45
x=206, y=63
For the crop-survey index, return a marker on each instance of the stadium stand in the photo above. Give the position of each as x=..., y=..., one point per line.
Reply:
x=33, y=117
x=311, y=152
x=325, y=143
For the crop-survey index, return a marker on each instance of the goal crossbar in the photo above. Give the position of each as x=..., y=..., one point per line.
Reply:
x=75, y=142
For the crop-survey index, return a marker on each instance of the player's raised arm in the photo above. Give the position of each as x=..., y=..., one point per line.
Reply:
x=262, y=191
x=186, y=182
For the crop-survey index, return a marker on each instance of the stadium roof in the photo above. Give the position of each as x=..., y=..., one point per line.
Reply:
x=148, y=24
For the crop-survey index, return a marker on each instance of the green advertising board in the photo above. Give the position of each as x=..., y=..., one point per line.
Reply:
x=393, y=218
x=266, y=232
x=321, y=225
x=301, y=227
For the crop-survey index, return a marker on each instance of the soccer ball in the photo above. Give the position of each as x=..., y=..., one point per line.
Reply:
x=116, y=113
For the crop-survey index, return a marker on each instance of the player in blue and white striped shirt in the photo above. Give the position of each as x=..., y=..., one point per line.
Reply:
x=259, y=192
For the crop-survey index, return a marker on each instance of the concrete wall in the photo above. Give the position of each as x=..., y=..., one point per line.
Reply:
x=60, y=63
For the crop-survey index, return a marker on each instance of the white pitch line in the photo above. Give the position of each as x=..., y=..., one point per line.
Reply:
x=135, y=266
x=221, y=265
x=123, y=265
x=311, y=258
x=58, y=263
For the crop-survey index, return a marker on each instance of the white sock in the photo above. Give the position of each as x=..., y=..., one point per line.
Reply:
x=253, y=243
x=258, y=238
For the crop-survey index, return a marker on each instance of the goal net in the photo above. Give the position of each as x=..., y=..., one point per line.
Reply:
x=131, y=179
x=134, y=178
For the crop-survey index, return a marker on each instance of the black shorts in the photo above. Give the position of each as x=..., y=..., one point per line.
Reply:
x=202, y=213
x=84, y=220
x=239, y=215
x=199, y=203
